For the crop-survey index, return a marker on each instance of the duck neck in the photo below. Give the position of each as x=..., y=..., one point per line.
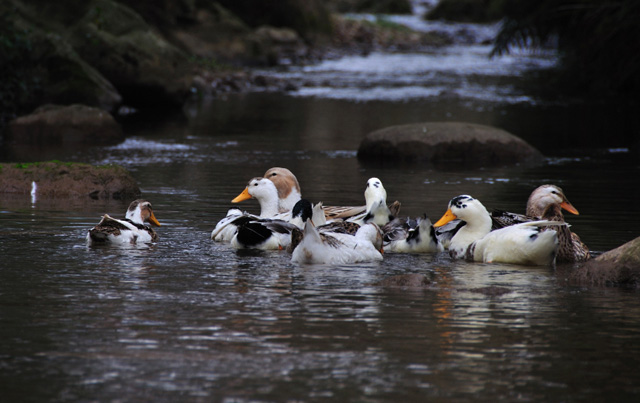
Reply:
x=268, y=207
x=134, y=216
x=553, y=212
x=475, y=229
x=287, y=203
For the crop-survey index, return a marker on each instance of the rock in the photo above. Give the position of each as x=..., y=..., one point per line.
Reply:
x=309, y=18
x=441, y=143
x=66, y=126
x=51, y=71
x=146, y=69
x=58, y=179
x=617, y=267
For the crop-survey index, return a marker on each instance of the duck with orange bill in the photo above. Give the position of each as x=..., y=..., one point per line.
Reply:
x=261, y=189
x=130, y=230
x=546, y=202
x=526, y=243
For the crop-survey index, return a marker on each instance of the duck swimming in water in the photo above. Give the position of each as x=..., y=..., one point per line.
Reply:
x=524, y=243
x=326, y=247
x=131, y=230
x=546, y=202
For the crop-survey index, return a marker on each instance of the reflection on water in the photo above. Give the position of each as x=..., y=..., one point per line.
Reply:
x=188, y=319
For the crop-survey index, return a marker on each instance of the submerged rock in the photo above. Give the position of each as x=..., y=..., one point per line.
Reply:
x=58, y=179
x=617, y=267
x=438, y=143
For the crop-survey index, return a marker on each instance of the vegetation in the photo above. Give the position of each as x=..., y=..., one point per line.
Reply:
x=598, y=39
x=17, y=83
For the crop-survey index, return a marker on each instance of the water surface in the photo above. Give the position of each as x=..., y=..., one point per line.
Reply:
x=189, y=319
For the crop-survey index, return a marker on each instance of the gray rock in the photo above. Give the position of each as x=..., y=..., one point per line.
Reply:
x=145, y=68
x=440, y=143
x=617, y=267
x=64, y=126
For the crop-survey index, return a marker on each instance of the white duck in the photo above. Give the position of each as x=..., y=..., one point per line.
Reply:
x=524, y=243
x=546, y=203
x=289, y=194
x=270, y=234
x=338, y=248
x=406, y=235
x=376, y=209
x=287, y=185
x=131, y=230
x=262, y=190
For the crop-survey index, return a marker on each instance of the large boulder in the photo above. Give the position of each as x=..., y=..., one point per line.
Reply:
x=64, y=126
x=617, y=267
x=442, y=143
x=59, y=179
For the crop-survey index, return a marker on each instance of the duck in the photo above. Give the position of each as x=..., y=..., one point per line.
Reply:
x=524, y=244
x=289, y=193
x=274, y=234
x=315, y=247
x=130, y=230
x=261, y=189
x=546, y=202
x=376, y=209
x=287, y=185
x=407, y=235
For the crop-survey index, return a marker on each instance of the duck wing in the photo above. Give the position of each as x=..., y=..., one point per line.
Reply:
x=501, y=219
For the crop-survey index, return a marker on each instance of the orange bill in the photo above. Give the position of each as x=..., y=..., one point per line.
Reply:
x=153, y=220
x=242, y=196
x=569, y=207
x=448, y=216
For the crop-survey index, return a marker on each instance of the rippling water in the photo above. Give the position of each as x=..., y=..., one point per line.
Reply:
x=188, y=319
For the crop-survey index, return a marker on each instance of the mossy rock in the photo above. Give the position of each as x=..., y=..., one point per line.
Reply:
x=55, y=179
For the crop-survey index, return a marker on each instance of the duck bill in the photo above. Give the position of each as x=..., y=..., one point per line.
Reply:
x=569, y=207
x=153, y=220
x=242, y=196
x=448, y=216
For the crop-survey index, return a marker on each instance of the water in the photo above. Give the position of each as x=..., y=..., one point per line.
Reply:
x=188, y=319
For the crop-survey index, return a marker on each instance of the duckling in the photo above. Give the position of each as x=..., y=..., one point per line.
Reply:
x=411, y=236
x=130, y=230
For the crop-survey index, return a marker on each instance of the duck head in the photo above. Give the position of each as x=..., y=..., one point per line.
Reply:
x=287, y=185
x=545, y=197
x=465, y=208
x=141, y=211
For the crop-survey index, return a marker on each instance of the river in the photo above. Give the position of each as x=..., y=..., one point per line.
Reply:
x=191, y=320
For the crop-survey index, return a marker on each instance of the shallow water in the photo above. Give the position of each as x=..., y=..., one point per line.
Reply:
x=189, y=319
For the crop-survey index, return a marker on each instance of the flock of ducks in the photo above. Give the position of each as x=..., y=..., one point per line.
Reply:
x=351, y=234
